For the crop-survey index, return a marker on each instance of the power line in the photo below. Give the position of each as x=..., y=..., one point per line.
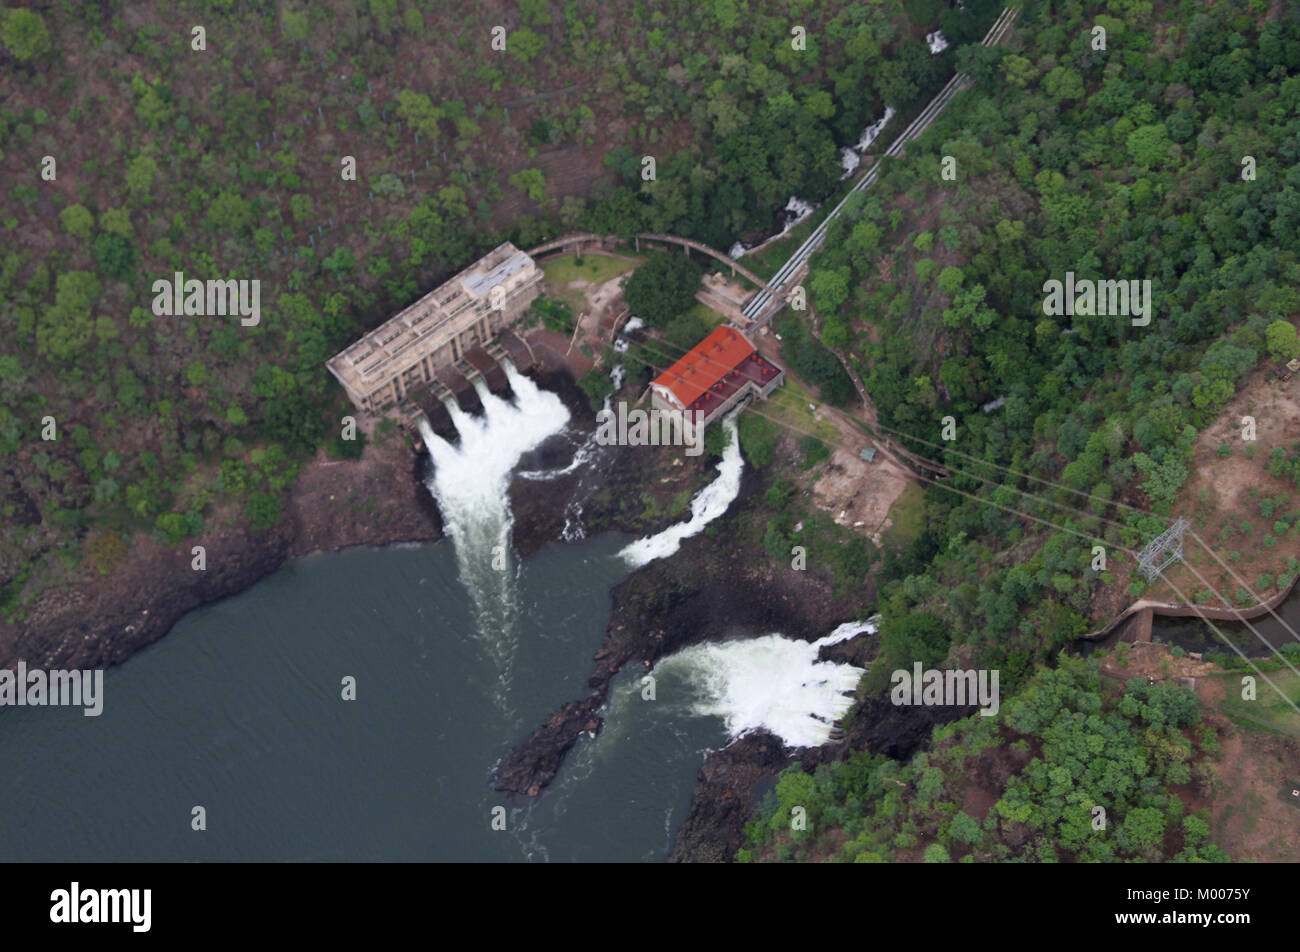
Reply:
x=1120, y=505
x=1201, y=542
x=1042, y=500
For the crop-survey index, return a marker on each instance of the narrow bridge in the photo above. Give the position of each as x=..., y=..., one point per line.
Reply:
x=575, y=241
x=598, y=243
x=735, y=266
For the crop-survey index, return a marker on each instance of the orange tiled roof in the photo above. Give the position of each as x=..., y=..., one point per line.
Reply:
x=705, y=364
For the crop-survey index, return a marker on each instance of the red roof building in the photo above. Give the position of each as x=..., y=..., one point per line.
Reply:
x=713, y=376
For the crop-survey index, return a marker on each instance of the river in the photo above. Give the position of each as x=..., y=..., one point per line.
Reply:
x=458, y=652
x=239, y=709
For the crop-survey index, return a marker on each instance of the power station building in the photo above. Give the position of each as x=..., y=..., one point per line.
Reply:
x=715, y=375
x=405, y=351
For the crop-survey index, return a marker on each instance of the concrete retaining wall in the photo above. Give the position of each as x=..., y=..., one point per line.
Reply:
x=1177, y=610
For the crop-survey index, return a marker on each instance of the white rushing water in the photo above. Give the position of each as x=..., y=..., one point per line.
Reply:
x=623, y=342
x=795, y=211
x=471, y=481
x=709, y=503
x=772, y=682
x=851, y=157
x=938, y=43
x=872, y=132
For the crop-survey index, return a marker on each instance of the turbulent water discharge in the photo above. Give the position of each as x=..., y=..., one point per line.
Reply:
x=772, y=682
x=471, y=481
x=709, y=503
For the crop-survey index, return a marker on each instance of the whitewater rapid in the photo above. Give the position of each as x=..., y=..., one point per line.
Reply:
x=771, y=682
x=851, y=156
x=709, y=503
x=471, y=482
x=796, y=209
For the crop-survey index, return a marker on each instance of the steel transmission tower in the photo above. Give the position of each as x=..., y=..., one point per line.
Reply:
x=1164, y=550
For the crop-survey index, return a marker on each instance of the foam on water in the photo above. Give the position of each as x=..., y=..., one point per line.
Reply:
x=471, y=481
x=851, y=156
x=771, y=682
x=709, y=503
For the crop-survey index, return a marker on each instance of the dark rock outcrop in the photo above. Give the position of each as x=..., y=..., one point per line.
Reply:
x=534, y=763
x=713, y=589
x=729, y=785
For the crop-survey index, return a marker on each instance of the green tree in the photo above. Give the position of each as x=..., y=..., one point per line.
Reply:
x=140, y=173
x=523, y=44
x=229, y=212
x=24, y=34
x=296, y=25
x=533, y=183
x=917, y=636
x=1063, y=83
x=153, y=102
x=936, y=853
x=419, y=113
x=65, y=329
x=1281, y=339
x=950, y=279
x=264, y=510
x=300, y=206
x=115, y=254
x=662, y=288
x=77, y=221
x=830, y=288
x=341, y=263
x=1143, y=828
x=758, y=438
x=172, y=527
x=965, y=829
x=1149, y=146
x=117, y=221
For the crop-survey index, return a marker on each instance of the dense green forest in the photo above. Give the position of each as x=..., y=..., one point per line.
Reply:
x=1063, y=747
x=1173, y=155
x=221, y=154
x=1123, y=163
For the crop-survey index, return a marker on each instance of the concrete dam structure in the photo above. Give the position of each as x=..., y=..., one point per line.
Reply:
x=456, y=332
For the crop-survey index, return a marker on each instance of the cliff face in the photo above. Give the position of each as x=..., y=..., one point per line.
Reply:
x=713, y=588
x=733, y=780
x=730, y=782
x=103, y=620
x=716, y=587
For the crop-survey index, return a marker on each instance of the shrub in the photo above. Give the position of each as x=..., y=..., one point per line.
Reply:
x=814, y=451
x=758, y=437
x=662, y=288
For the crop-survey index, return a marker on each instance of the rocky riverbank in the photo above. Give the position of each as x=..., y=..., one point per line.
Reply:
x=719, y=585
x=380, y=499
x=377, y=500
x=104, y=619
x=733, y=780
